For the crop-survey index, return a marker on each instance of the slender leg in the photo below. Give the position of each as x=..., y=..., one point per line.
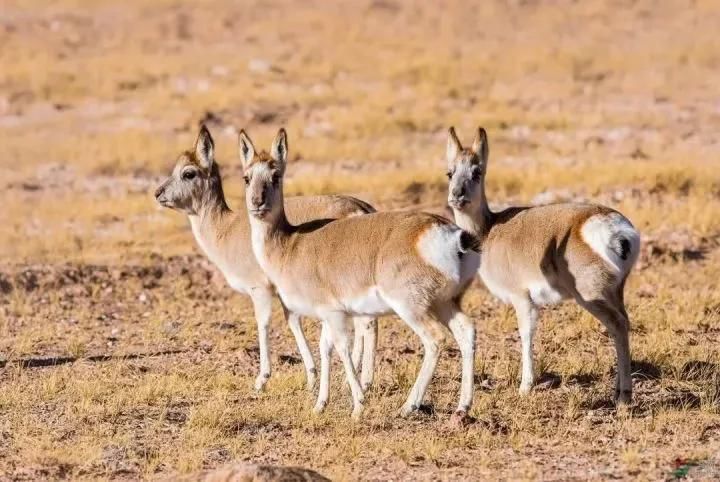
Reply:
x=325, y=350
x=336, y=322
x=369, y=347
x=262, y=304
x=364, y=346
x=463, y=331
x=357, y=349
x=293, y=320
x=527, y=315
x=431, y=345
x=618, y=326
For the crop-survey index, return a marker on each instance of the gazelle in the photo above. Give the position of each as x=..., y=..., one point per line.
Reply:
x=413, y=264
x=533, y=256
x=195, y=188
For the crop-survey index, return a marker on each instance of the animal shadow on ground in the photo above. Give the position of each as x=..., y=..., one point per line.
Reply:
x=582, y=379
x=645, y=370
x=548, y=381
x=44, y=362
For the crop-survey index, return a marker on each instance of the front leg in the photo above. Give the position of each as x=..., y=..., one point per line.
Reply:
x=293, y=320
x=527, y=316
x=262, y=304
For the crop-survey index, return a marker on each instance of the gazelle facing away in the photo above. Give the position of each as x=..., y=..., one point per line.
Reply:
x=533, y=256
x=195, y=188
x=413, y=264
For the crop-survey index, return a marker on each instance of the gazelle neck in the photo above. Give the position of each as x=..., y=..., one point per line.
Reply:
x=210, y=212
x=269, y=235
x=477, y=217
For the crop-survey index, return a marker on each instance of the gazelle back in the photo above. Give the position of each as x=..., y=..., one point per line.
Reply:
x=413, y=264
x=195, y=188
x=533, y=256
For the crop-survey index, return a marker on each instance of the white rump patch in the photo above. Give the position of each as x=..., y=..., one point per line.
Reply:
x=603, y=232
x=439, y=247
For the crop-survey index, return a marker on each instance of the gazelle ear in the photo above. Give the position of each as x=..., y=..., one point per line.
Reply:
x=205, y=148
x=246, y=150
x=453, y=146
x=279, y=148
x=480, y=145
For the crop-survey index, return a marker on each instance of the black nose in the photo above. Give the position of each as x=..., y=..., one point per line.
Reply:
x=259, y=200
x=458, y=192
x=159, y=192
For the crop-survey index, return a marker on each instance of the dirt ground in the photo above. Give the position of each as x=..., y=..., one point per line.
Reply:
x=123, y=354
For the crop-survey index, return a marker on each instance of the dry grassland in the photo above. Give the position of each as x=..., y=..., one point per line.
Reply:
x=127, y=357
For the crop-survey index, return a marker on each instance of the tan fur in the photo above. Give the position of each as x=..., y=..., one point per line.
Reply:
x=540, y=255
x=224, y=236
x=368, y=265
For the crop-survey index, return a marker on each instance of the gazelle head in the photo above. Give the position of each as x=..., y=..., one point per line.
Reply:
x=466, y=170
x=195, y=180
x=264, y=176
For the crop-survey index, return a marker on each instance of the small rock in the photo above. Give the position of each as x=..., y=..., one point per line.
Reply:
x=259, y=66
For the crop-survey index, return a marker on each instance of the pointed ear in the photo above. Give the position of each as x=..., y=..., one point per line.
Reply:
x=279, y=149
x=245, y=149
x=205, y=148
x=453, y=146
x=480, y=145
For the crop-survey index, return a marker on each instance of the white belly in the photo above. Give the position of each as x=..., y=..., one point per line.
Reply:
x=369, y=303
x=497, y=289
x=237, y=283
x=540, y=291
x=297, y=304
x=543, y=294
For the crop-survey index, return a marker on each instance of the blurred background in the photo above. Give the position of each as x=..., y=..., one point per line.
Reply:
x=583, y=99
x=123, y=354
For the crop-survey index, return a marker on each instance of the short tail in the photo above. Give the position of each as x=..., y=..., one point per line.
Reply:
x=614, y=238
x=469, y=242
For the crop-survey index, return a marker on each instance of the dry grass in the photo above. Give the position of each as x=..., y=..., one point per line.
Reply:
x=591, y=100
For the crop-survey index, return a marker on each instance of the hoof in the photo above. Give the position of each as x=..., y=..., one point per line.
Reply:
x=261, y=381
x=407, y=410
x=525, y=389
x=623, y=397
x=357, y=413
x=461, y=419
x=319, y=407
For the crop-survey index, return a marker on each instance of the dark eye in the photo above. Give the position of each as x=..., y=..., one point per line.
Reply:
x=276, y=179
x=449, y=175
x=247, y=180
x=476, y=175
x=189, y=175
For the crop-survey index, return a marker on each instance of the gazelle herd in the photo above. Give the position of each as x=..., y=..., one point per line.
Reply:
x=335, y=259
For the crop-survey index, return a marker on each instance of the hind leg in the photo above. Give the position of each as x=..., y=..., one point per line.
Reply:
x=613, y=316
x=527, y=315
x=413, y=316
x=326, y=346
x=463, y=331
x=364, y=346
x=335, y=322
